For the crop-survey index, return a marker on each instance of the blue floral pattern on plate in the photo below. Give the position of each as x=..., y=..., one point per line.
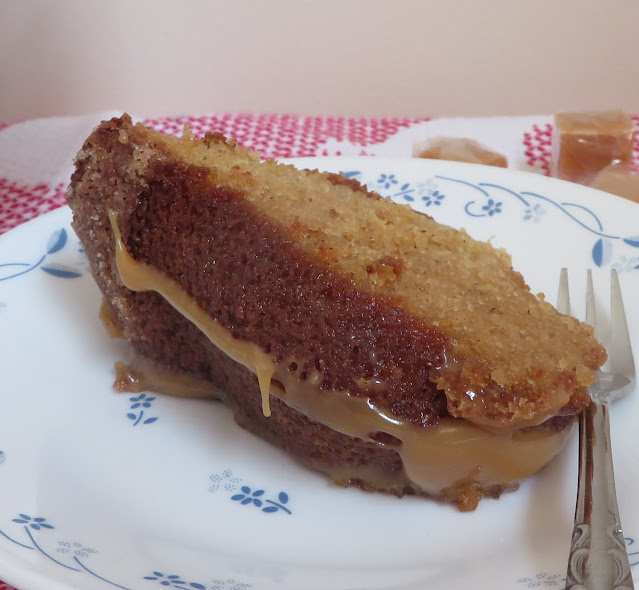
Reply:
x=543, y=580
x=32, y=526
x=248, y=496
x=138, y=404
x=57, y=241
x=73, y=556
x=175, y=581
x=583, y=216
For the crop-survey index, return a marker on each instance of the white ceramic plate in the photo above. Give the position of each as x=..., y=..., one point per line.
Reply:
x=101, y=490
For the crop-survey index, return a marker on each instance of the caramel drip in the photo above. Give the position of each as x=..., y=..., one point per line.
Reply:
x=264, y=369
x=143, y=375
x=107, y=319
x=434, y=458
x=138, y=276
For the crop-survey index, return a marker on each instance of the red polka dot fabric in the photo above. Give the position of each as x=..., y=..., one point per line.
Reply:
x=21, y=202
x=287, y=136
x=538, y=147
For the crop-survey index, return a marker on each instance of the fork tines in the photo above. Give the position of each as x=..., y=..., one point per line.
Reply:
x=617, y=339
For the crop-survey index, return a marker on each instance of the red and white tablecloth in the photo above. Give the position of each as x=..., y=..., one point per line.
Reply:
x=36, y=156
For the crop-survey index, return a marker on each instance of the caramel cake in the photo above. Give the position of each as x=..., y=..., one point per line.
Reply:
x=369, y=341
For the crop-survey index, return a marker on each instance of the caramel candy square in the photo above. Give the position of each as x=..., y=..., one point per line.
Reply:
x=618, y=180
x=460, y=150
x=586, y=143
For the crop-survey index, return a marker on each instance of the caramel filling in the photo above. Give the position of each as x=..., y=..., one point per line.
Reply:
x=143, y=375
x=434, y=458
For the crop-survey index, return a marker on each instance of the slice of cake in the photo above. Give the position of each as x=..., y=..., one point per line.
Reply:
x=369, y=341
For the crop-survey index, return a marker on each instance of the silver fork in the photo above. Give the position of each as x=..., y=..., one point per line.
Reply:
x=598, y=558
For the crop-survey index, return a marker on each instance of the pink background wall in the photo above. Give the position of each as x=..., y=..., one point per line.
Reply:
x=325, y=57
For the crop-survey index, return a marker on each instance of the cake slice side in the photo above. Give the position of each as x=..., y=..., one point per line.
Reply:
x=326, y=325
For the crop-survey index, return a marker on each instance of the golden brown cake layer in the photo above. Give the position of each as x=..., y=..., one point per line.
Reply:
x=368, y=299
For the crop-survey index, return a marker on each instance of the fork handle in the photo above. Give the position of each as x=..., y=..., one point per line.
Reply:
x=598, y=558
